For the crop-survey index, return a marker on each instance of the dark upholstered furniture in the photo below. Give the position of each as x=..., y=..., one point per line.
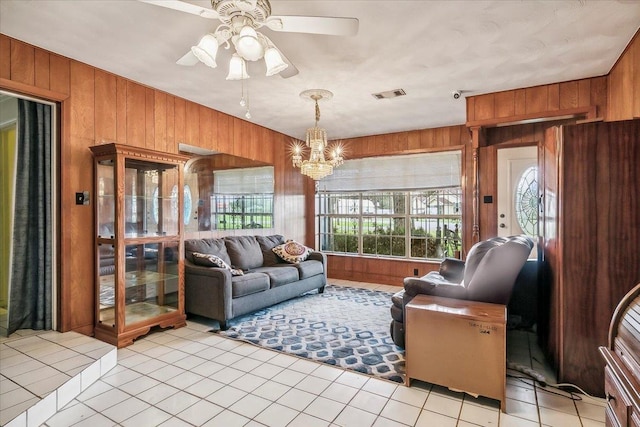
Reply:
x=488, y=275
x=214, y=293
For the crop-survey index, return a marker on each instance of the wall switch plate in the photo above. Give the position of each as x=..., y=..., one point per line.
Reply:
x=82, y=198
x=487, y=199
x=415, y=271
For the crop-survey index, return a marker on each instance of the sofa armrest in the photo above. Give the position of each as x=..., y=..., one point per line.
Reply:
x=208, y=291
x=318, y=256
x=452, y=269
x=201, y=270
x=414, y=286
x=322, y=257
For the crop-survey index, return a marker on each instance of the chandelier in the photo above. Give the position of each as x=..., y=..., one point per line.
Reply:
x=240, y=20
x=317, y=167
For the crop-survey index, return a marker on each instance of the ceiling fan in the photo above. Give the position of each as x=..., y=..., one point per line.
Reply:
x=240, y=21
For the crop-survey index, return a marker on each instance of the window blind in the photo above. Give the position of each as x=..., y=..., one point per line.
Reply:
x=243, y=181
x=428, y=170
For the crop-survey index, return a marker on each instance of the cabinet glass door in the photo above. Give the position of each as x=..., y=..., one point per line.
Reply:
x=151, y=280
x=105, y=212
x=151, y=199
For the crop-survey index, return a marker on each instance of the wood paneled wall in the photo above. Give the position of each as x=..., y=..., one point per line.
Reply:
x=624, y=84
x=381, y=270
x=96, y=107
x=592, y=239
x=517, y=105
x=581, y=98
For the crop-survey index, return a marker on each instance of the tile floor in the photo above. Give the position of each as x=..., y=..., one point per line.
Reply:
x=41, y=372
x=192, y=377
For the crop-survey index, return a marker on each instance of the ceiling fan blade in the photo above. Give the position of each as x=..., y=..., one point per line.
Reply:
x=290, y=71
x=314, y=25
x=188, y=59
x=184, y=7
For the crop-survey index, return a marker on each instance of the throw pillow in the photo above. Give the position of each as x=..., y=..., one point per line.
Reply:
x=292, y=252
x=210, y=260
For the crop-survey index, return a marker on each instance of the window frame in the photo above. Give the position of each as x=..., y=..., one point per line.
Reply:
x=246, y=217
x=409, y=216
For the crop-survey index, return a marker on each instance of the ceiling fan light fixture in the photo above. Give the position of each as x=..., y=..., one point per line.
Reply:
x=273, y=61
x=246, y=5
x=248, y=45
x=206, y=50
x=237, y=68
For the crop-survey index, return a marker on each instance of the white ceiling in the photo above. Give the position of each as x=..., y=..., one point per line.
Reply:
x=427, y=48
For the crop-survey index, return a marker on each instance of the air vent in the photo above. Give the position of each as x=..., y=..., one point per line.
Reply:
x=389, y=94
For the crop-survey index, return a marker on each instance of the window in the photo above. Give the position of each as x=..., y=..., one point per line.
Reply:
x=396, y=220
x=242, y=199
x=526, y=201
x=187, y=204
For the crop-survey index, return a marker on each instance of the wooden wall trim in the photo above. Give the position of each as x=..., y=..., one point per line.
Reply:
x=26, y=89
x=588, y=113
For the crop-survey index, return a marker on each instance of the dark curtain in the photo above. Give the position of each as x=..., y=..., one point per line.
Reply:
x=31, y=275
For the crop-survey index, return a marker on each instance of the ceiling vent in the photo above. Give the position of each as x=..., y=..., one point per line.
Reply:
x=389, y=94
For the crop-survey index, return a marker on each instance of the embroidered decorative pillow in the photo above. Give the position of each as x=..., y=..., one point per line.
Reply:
x=210, y=260
x=292, y=252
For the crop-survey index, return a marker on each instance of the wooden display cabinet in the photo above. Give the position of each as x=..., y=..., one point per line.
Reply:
x=138, y=236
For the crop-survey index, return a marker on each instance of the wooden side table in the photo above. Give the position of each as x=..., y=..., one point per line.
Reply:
x=457, y=344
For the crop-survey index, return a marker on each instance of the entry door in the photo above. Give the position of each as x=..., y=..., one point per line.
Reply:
x=518, y=192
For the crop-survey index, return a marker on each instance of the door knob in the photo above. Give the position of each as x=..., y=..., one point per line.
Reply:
x=502, y=225
x=501, y=215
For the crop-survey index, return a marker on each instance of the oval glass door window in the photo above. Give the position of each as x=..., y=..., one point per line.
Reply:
x=526, y=201
x=187, y=204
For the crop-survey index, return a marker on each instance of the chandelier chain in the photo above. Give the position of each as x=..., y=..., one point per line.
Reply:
x=317, y=113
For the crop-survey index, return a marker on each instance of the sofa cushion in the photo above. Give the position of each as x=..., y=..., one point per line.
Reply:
x=210, y=260
x=292, y=251
x=206, y=246
x=280, y=275
x=244, y=252
x=477, y=253
x=267, y=243
x=248, y=284
x=309, y=268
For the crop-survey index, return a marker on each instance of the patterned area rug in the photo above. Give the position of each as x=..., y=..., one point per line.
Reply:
x=344, y=326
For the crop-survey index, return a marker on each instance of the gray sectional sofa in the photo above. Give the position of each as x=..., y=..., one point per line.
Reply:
x=215, y=293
